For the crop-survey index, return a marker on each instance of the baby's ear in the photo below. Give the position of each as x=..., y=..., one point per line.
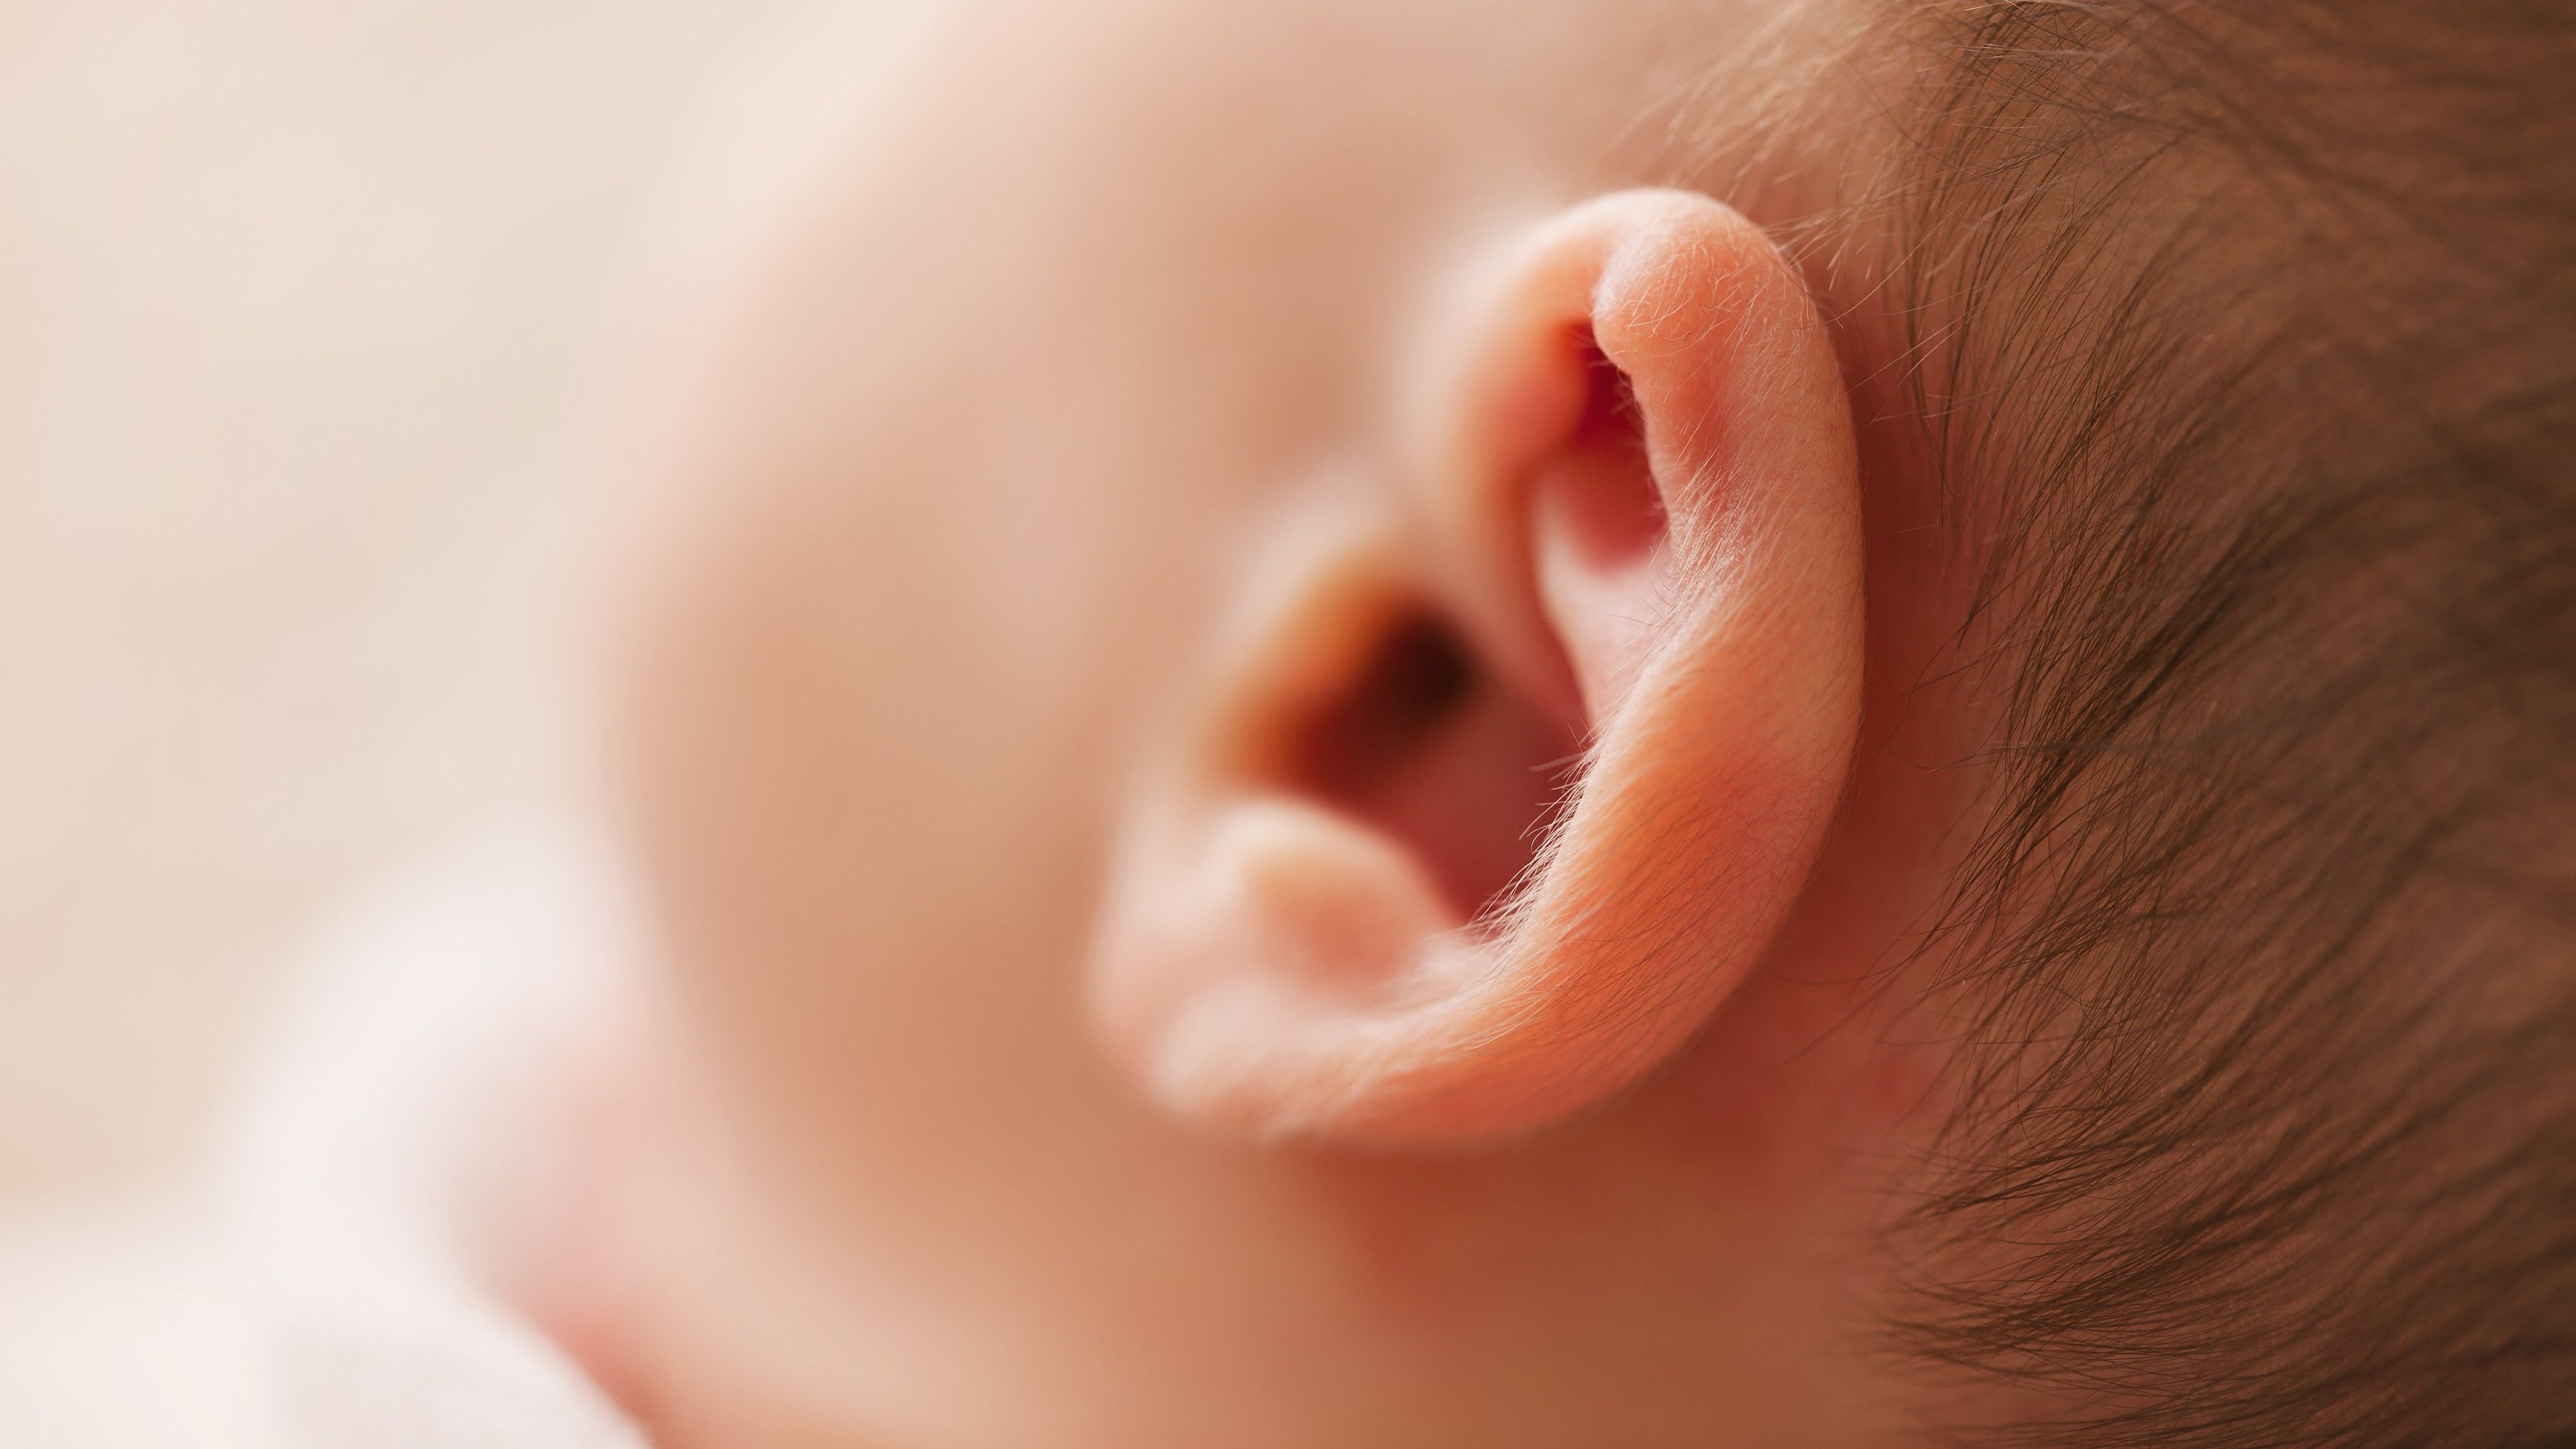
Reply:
x=1488, y=806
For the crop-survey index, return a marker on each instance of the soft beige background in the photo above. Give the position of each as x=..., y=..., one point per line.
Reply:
x=295, y=298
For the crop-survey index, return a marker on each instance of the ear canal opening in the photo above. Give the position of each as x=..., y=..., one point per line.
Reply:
x=1430, y=748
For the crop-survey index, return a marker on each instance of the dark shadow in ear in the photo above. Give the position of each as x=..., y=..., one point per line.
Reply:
x=1620, y=513
x=1429, y=747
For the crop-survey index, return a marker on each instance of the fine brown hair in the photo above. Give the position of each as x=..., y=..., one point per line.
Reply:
x=2245, y=330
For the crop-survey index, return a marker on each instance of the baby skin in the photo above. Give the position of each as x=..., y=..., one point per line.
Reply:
x=1290, y=698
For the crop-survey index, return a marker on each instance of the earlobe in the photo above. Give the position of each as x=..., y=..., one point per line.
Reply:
x=1471, y=833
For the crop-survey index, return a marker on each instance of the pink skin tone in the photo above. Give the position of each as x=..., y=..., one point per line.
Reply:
x=1148, y=530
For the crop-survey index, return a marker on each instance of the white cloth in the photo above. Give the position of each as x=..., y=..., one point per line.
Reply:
x=318, y=1292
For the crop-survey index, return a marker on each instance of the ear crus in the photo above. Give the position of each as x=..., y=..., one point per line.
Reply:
x=1359, y=898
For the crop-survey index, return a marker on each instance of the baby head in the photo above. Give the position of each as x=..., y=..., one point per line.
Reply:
x=1634, y=723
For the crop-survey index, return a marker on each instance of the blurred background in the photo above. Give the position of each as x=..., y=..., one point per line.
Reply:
x=296, y=302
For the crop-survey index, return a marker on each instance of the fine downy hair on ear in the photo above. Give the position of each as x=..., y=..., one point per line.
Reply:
x=1494, y=793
